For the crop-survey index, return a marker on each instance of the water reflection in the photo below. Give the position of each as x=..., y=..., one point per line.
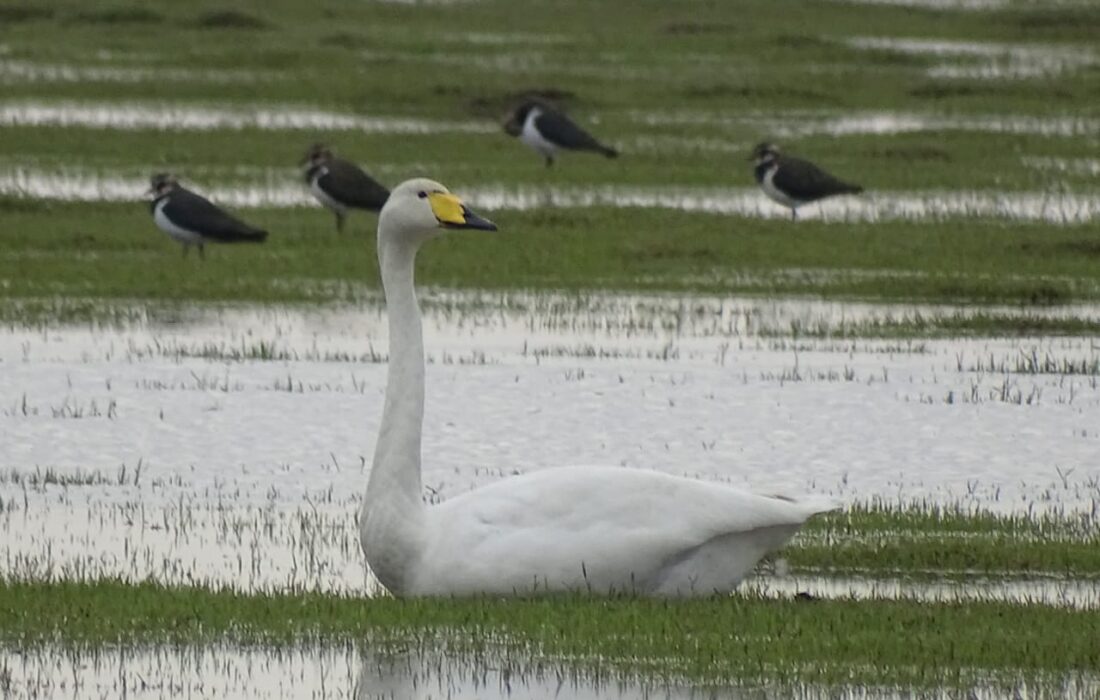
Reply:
x=497, y=677
x=345, y=670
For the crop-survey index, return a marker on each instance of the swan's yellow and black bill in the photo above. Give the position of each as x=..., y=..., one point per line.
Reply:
x=452, y=213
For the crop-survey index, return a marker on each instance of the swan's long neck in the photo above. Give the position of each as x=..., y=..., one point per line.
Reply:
x=391, y=523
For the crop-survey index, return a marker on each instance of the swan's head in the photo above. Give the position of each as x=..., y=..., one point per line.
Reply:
x=420, y=209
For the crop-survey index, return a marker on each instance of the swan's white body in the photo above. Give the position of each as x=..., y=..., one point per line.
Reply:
x=595, y=529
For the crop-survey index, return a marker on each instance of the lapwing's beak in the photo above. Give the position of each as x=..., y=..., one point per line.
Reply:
x=451, y=213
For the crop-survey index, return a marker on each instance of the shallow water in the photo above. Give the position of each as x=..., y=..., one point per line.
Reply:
x=282, y=189
x=319, y=672
x=183, y=116
x=345, y=671
x=1077, y=594
x=16, y=72
x=794, y=124
x=987, y=60
x=229, y=446
x=1072, y=166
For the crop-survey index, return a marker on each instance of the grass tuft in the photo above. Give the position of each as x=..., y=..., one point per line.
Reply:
x=731, y=639
x=230, y=19
x=14, y=14
x=120, y=15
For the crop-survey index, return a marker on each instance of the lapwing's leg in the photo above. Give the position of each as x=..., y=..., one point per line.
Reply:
x=794, y=213
x=339, y=222
x=202, y=252
x=549, y=161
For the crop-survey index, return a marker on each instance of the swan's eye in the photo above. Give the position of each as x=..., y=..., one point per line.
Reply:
x=422, y=194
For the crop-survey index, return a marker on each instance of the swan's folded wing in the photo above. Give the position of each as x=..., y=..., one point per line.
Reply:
x=595, y=527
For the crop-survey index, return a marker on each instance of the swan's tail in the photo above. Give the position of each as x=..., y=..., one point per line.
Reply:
x=812, y=504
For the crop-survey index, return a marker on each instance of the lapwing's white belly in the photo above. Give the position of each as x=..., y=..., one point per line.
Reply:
x=165, y=224
x=777, y=195
x=531, y=136
x=322, y=196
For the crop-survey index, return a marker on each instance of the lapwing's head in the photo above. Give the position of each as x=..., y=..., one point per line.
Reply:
x=161, y=184
x=513, y=125
x=420, y=209
x=764, y=153
x=317, y=154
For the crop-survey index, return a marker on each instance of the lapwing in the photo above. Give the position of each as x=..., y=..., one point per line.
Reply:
x=193, y=220
x=793, y=182
x=547, y=131
x=341, y=185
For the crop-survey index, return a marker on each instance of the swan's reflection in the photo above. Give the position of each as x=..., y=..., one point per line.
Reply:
x=442, y=677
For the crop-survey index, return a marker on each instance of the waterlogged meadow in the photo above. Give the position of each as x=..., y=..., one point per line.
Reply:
x=139, y=468
x=184, y=443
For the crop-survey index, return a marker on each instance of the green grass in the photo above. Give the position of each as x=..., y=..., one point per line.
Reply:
x=721, y=74
x=719, y=640
x=938, y=541
x=112, y=252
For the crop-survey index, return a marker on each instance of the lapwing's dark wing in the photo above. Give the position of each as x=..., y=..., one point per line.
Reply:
x=191, y=212
x=348, y=184
x=560, y=130
x=805, y=181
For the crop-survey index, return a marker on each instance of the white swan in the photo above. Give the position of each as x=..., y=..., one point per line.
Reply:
x=595, y=529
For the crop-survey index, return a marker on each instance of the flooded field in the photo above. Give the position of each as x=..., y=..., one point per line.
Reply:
x=281, y=189
x=801, y=124
x=136, y=432
x=183, y=451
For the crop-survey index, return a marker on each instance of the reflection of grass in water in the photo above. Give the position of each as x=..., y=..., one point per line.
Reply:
x=730, y=639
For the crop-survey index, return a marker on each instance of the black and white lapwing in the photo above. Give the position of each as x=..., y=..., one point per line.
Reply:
x=547, y=131
x=341, y=185
x=193, y=220
x=793, y=182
